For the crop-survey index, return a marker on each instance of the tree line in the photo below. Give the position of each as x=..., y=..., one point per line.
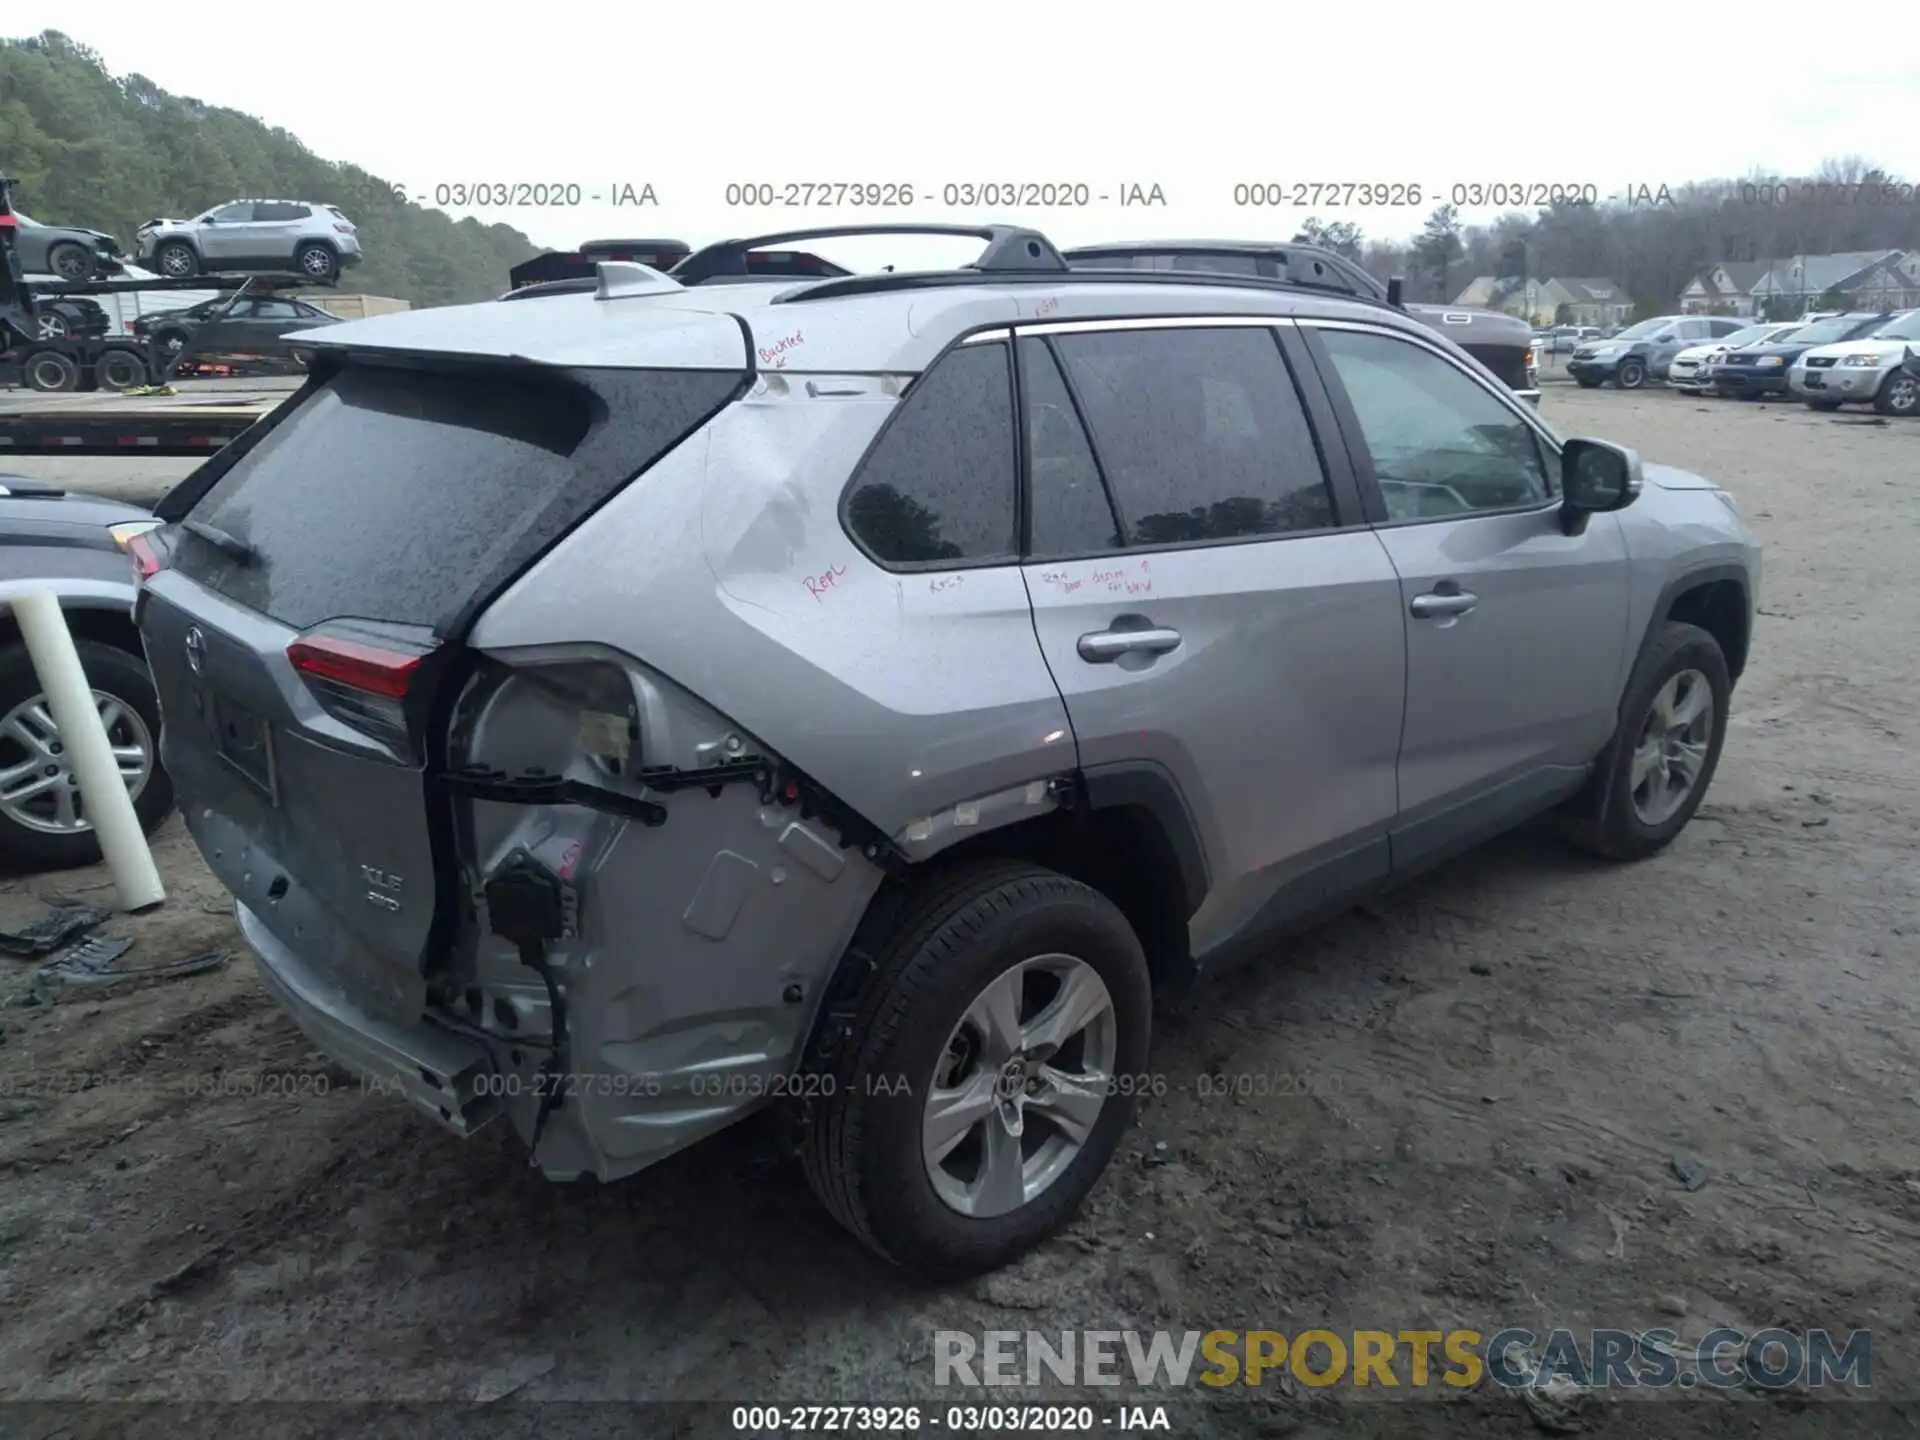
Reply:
x=1652, y=244
x=110, y=153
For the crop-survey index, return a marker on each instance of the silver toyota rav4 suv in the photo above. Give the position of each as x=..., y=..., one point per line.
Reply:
x=622, y=711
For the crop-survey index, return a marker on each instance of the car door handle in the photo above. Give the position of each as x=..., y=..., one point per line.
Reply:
x=1437, y=603
x=1104, y=645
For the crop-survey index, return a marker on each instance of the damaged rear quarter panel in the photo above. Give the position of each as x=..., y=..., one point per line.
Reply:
x=698, y=945
x=725, y=578
x=727, y=570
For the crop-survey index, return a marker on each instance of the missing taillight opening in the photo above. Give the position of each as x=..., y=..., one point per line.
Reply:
x=360, y=667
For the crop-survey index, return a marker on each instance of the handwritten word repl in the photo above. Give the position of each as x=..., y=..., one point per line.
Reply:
x=821, y=585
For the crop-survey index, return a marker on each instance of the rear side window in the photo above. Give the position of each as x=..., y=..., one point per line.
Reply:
x=938, y=487
x=403, y=495
x=1200, y=433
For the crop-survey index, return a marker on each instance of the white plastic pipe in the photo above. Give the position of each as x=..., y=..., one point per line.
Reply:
x=103, y=790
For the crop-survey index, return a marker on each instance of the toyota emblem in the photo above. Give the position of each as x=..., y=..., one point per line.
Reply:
x=196, y=649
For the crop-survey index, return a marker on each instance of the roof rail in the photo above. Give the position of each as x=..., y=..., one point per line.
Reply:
x=1010, y=249
x=1085, y=275
x=1311, y=266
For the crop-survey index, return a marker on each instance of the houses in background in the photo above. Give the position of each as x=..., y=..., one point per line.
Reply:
x=1860, y=279
x=1550, y=302
x=1778, y=289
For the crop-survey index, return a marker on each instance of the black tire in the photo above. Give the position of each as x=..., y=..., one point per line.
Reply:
x=1603, y=820
x=49, y=370
x=1631, y=374
x=52, y=325
x=119, y=369
x=1823, y=405
x=1899, y=395
x=111, y=671
x=1586, y=382
x=71, y=261
x=862, y=1150
x=177, y=260
x=317, y=261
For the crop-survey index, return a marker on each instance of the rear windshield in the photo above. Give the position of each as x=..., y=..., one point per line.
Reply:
x=408, y=496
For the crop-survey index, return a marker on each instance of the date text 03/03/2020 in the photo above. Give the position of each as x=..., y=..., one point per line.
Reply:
x=527, y=194
x=953, y=194
x=950, y=1419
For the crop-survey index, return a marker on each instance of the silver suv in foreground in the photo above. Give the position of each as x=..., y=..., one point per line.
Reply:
x=314, y=240
x=622, y=711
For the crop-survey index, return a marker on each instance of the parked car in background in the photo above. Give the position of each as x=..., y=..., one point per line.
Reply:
x=257, y=325
x=1871, y=370
x=895, y=784
x=63, y=251
x=311, y=239
x=1687, y=372
x=1644, y=351
x=1756, y=370
x=73, y=545
x=1565, y=339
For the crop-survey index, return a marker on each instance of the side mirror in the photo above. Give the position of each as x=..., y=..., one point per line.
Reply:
x=1595, y=477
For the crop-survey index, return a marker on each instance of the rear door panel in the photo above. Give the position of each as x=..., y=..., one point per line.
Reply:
x=1278, y=711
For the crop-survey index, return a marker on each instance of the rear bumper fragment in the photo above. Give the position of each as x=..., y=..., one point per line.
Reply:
x=440, y=1072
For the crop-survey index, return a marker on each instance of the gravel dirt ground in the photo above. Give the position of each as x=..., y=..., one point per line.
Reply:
x=1465, y=1108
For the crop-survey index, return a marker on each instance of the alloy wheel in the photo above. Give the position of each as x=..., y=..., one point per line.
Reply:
x=1672, y=749
x=1020, y=1085
x=38, y=790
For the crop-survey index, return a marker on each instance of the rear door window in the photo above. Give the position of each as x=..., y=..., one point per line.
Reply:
x=402, y=494
x=1200, y=433
x=938, y=487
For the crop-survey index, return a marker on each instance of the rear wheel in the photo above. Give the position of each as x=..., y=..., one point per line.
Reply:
x=120, y=370
x=1631, y=375
x=43, y=823
x=1673, y=721
x=982, y=1088
x=51, y=325
x=1900, y=395
x=50, y=370
x=316, y=262
x=70, y=261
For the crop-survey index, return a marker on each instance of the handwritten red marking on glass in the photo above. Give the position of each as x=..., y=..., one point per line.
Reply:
x=774, y=356
x=819, y=585
x=569, y=858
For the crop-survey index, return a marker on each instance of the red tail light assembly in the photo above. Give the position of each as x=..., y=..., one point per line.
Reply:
x=366, y=668
x=365, y=677
x=146, y=552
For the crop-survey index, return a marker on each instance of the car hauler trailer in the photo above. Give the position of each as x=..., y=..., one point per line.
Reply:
x=50, y=410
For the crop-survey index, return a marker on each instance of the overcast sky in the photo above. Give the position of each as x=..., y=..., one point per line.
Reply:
x=691, y=99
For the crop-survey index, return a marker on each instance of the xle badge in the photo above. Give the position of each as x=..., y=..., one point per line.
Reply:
x=386, y=887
